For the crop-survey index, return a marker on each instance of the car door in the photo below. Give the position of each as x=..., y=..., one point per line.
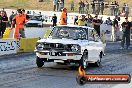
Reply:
x=95, y=45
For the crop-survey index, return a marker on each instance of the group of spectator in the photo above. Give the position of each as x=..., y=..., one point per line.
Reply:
x=96, y=6
x=15, y=20
x=125, y=10
x=84, y=7
x=115, y=9
x=88, y=20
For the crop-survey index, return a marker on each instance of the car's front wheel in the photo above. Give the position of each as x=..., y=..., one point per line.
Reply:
x=98, y=63
x=39, y=62
x=83, y=61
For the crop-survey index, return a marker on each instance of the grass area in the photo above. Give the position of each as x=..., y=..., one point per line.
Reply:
x=47, y=5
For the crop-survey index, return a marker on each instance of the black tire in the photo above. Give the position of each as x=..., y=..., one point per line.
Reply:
x=98, y=63
x=39, y=62
x=83, y=61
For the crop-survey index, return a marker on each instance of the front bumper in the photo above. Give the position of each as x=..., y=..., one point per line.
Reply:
x=58, y=55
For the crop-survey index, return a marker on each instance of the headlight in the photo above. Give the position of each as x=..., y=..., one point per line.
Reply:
x=39, y=46
x=75, y=48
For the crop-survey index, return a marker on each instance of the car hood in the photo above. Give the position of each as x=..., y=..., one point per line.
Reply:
x=34, y=21
x=64, y=41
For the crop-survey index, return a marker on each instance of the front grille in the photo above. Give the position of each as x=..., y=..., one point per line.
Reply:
x=57, y=46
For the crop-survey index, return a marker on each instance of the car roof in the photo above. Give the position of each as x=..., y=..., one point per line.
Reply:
x=75, y=26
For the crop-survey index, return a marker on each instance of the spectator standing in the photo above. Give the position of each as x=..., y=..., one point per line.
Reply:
x=93, y=7
x=87, y=7
x=112, y=7
x=54, y=19
x=80, y=6
x=20, y=22
x=108, y=21
x=116, y=28
x=0, y=25
x=4, y=22
x=55, y=5
x=83, y=7
x=26, y=16
x=11, y=17
x=60, y=5
x=72, y=5
x=116, y=8
x=127, y=26
x=102, y=8
x=75, y=19
x=90, y=18
x=126, y=10
x=123, y=8
x=96, y=23
x=98, y=8
x=81, y=21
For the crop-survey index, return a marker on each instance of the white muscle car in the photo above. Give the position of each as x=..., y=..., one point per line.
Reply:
x=70, y=44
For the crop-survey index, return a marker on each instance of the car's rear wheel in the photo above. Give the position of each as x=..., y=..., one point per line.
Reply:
x=39, y=62
x=83, y=61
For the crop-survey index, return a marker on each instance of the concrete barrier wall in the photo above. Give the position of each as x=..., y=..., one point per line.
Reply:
x=8, y=46
x=27, y=44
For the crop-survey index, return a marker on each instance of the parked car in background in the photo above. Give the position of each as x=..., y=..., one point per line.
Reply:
x=70, y=44
x=35, y=21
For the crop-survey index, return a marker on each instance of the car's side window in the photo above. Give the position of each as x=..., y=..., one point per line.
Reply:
x=93, y=36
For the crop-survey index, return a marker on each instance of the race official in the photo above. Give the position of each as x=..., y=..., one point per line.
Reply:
x=20, y=22
x=63, y=17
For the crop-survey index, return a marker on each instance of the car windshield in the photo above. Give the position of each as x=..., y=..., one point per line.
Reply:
x=69, y=33
x=38, y=18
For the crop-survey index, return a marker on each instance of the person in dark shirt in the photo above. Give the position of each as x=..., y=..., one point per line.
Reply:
x=26, y=15
x=126, y=26
x=4, y=22
x=97, y=22
x=93, y=8
x=116, y=28
x=102, y=8
x=11, y=17
x=54, y=19
x=108, y=21
x=75, y=19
